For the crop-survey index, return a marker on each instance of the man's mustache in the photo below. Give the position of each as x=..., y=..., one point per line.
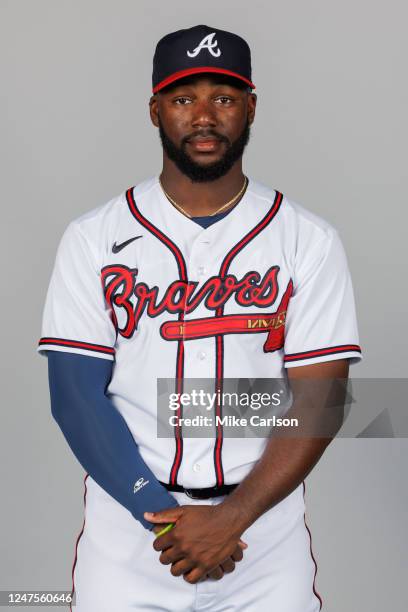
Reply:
x=207, y=134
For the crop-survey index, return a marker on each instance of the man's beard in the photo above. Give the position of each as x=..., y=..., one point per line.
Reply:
x=206, y=172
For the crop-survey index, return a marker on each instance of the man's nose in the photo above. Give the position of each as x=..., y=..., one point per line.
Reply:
x=203, y=114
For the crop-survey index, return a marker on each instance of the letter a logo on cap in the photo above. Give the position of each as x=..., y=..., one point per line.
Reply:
x=206, y=43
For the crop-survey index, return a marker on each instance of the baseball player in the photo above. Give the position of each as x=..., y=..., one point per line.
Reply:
x=199, y=272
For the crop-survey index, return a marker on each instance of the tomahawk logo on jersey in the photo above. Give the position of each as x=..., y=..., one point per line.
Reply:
x=265, y=288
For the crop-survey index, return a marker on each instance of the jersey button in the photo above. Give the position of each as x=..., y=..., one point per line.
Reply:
x=196, y=467
x=201, y=355
x=201, y=270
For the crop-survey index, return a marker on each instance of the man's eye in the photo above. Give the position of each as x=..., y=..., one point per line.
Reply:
x=223, y=99
x=182, y=101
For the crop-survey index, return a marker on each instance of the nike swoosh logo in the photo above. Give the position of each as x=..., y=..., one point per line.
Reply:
x=118, y=247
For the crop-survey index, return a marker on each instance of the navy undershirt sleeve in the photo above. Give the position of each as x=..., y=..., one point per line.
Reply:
x=98, y=434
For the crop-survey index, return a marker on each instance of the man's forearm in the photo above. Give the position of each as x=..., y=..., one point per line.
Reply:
x=284, y=464
x=99, y=436
x=289, y=457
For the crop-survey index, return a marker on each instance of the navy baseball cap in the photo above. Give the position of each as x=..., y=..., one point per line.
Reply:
x=200, y=49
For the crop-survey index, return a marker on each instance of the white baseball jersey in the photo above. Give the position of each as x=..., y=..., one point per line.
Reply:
x=263, y=289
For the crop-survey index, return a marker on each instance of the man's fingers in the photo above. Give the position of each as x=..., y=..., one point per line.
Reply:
x=194, y=576
x=237, y=555
x=242, y=544
x=203, y=577
x=169, y=556
x=181, y=567
x=228, y=565
x=216, y=574
x=163, y=542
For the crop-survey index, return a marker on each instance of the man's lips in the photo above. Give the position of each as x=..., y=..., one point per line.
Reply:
x=204, y=143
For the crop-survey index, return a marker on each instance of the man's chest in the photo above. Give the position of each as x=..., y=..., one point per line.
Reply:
x=202, y=290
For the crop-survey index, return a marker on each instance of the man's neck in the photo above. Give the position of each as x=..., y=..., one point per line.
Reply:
x=200, y=199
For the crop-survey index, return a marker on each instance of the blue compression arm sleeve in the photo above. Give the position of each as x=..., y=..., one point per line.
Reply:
x=98, y=434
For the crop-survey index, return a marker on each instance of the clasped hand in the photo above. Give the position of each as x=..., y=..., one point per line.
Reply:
x=204, y=542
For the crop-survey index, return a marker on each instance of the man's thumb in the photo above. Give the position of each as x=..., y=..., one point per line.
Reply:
x=169, y=515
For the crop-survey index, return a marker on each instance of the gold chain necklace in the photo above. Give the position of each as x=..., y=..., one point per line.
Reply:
x=241, y=191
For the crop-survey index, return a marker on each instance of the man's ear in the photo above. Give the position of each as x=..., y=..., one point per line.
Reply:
x=154, y=111
x=252, y=100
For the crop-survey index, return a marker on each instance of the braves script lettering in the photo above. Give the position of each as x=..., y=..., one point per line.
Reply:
x=123, y=292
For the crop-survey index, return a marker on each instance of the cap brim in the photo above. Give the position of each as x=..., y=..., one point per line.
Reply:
x=184, y=73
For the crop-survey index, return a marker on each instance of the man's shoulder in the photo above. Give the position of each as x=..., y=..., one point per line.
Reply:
x=95, y=221
x=292, y=215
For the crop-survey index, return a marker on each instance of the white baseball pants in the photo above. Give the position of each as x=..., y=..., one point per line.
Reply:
x=116, y=568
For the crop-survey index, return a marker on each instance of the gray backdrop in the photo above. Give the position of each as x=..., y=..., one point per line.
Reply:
x=330, y=133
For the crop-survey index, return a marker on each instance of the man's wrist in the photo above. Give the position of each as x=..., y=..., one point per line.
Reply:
x=235, y=516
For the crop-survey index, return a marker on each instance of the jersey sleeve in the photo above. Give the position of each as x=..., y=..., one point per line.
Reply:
x=321, y=320
x=76, y=318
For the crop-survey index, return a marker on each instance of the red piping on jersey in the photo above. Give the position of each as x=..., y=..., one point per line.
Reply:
x=341, y=348
x=219, y=341
x=180, y=348
x=311, y=553
x=198, y=70
x=76, y=545
x=98, y=348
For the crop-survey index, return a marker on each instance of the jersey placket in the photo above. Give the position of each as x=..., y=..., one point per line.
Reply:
x=197, y=469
